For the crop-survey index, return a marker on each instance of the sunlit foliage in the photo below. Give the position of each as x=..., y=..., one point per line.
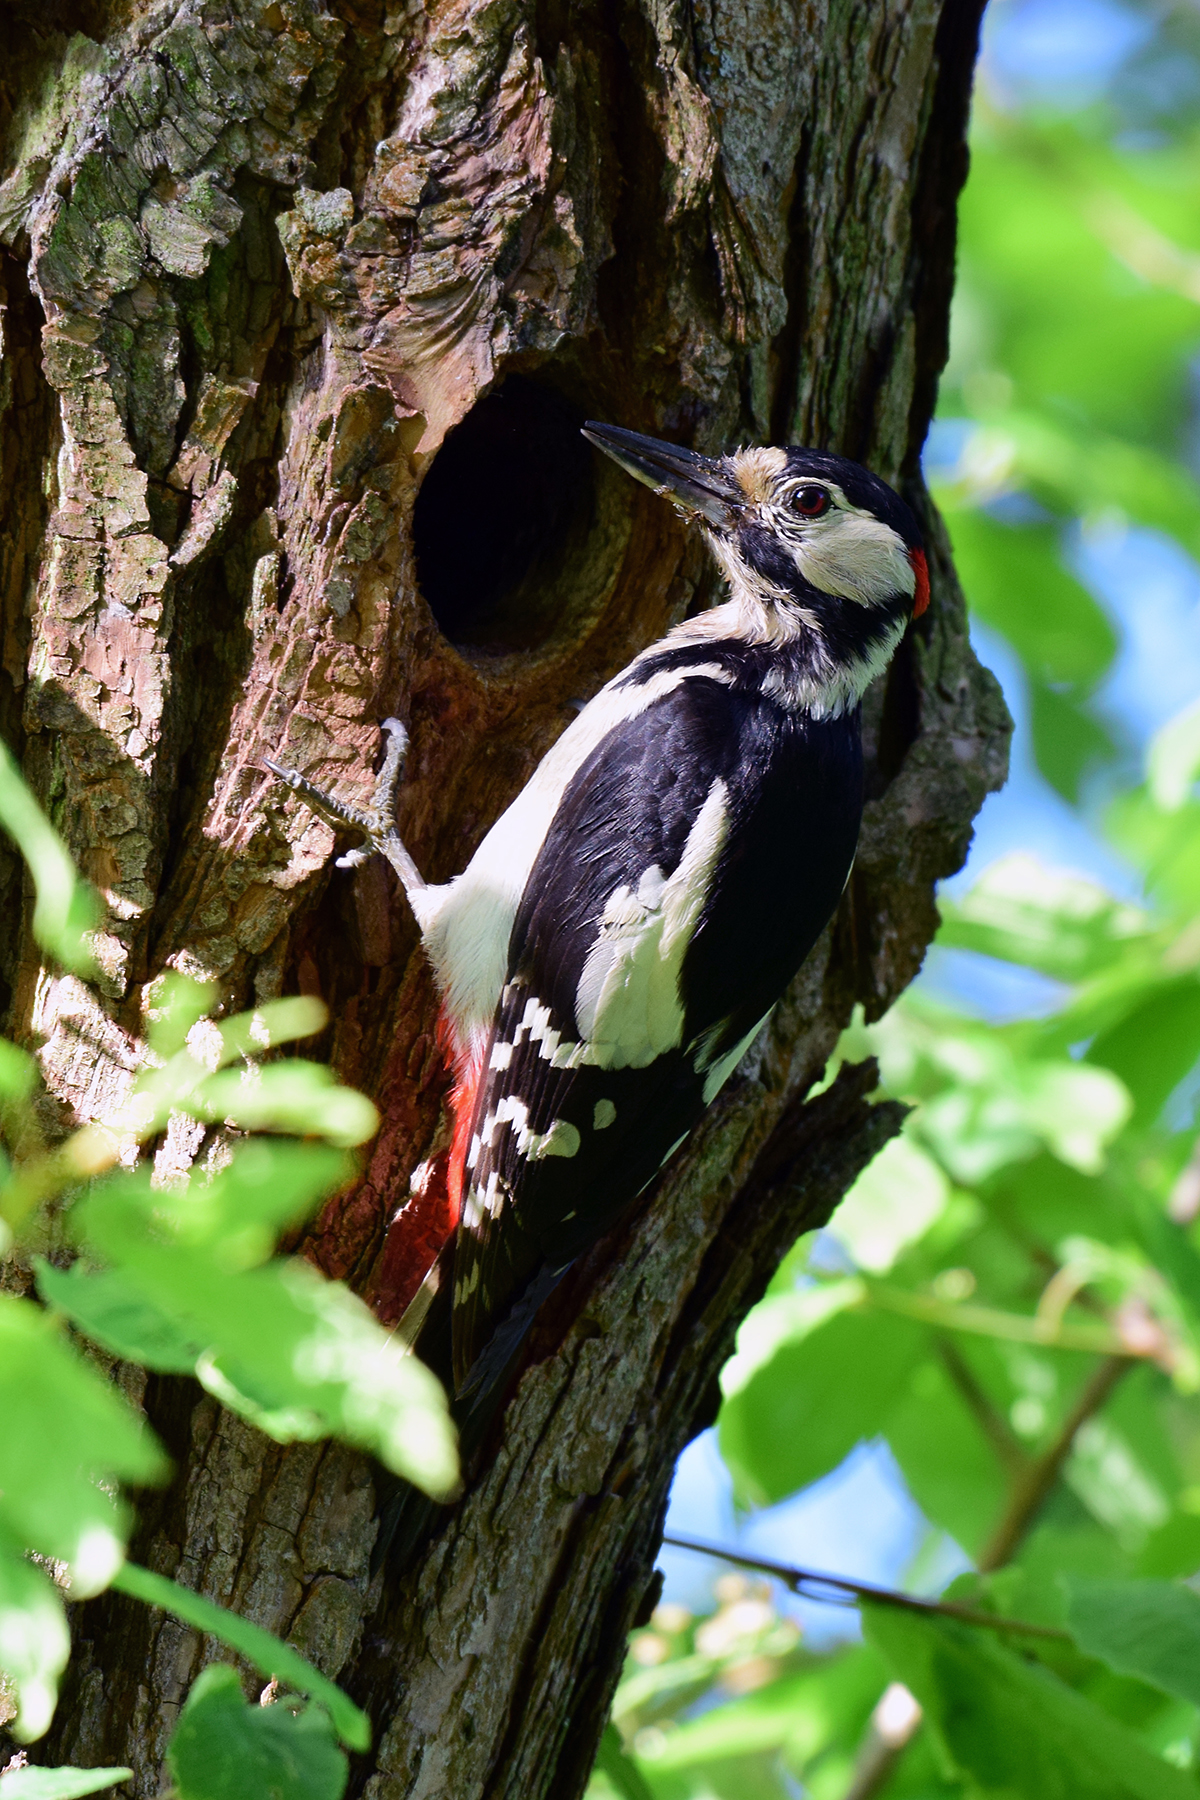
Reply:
x=177, y=1273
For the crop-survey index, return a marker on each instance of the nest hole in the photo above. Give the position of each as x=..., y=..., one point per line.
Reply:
x=503, y=514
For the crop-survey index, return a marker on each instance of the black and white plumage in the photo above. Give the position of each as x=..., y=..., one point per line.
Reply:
x=625, y=927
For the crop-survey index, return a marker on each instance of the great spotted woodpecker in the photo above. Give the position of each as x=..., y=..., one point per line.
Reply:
x=621, y=933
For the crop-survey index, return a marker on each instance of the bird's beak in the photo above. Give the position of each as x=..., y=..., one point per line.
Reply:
x=699, y=483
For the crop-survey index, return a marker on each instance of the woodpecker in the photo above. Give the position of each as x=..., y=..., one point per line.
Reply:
x=624, y=929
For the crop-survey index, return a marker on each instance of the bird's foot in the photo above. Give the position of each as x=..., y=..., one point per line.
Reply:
x=378, y=825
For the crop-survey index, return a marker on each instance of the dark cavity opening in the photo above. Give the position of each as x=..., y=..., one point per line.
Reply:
x=504, y=508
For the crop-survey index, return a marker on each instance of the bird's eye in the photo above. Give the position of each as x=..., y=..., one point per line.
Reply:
x=811, y=502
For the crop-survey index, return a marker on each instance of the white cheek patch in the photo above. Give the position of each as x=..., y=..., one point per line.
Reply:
x=628, y=1005
x=853, y=555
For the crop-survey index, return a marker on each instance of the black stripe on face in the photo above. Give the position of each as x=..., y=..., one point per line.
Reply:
x=860, y=487
x=850, y=629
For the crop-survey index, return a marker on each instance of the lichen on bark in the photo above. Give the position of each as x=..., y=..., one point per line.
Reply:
x=263, y=261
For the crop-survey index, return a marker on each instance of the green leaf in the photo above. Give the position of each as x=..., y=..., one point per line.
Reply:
x=223, y=1749
x=295, y=1096
x=948, y=1465
x=1173, y=760
x=1114, y=1484
x=18, y=1073
x=50, y=1493
x=275, y=1022
x=784, y=1317
x=800, y=1713
x=173, y=1004
x=269, y=1655
x=1068, y=742
x=1017, y=1102
x=1011, y=1727
x=1148, y=1629
x=621, y=1769
x=802, y=1412
x=1014, y=579
x=1041, y=918
x=267, y=1186
x=34, y=1641
x=1030, y=1586
x=66, y=907
x=1174, y=1549
x=1154, y=1046
x=119, y=1317
x=58, y=1784
x=1096, y=348
x=895, y=1200
x=176, y=1003
x=301, y=1356
x=1165, y=846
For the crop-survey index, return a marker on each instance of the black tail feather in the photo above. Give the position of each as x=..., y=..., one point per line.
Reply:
x=407, y=1517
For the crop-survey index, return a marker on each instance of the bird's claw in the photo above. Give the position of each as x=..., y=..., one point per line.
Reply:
x=377, y=826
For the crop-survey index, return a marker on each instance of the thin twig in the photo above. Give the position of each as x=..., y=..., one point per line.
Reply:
x=1033, y=1485
x=1033, y=1480
x=839, y=1591
x=891, y=1728
x=993, y=1322
x=991, y=1422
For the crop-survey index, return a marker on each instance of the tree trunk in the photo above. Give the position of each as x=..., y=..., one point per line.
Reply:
x=263, y=256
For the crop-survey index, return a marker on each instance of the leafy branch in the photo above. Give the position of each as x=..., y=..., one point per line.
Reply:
x=180, y=1277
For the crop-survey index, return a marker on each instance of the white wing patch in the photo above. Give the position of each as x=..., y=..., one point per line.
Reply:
x=560, y=1137
x=851, y=553
x=603, y=1115
x=628, y=1006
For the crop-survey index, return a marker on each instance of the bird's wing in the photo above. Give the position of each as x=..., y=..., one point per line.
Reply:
x=586, y=1086
x=669, y=905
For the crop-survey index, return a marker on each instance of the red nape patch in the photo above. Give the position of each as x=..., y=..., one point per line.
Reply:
x=431, y=1213
x=921, y=591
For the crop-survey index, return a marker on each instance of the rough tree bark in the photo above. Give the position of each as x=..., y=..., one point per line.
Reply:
x=262, y=256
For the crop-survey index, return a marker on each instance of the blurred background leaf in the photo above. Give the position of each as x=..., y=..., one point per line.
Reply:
x=58, y=1784
x=65, y=908
x=223, y=1749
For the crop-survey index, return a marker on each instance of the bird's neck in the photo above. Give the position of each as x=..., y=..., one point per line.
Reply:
x=808, y=654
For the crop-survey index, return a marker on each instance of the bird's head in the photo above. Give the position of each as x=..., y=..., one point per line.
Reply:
x=814, y=542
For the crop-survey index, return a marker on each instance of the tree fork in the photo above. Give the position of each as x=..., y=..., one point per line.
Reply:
x=303, y=301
